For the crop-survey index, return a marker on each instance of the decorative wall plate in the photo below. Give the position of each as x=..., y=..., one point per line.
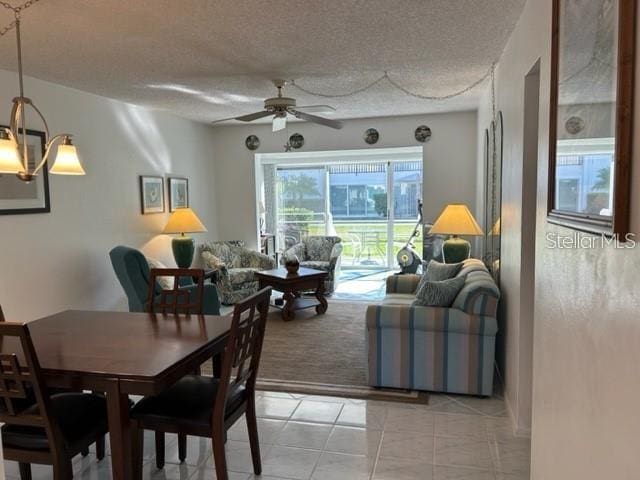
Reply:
x=422, y=133
x=574, y=125
x=371, y=136
x=252, y=142
x=296, y=140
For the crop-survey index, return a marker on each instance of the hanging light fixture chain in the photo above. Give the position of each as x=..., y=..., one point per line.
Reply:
x=16, y=11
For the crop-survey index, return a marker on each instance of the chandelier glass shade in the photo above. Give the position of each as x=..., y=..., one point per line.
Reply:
x=14, y=151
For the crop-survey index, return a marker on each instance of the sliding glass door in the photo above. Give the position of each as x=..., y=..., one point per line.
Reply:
x=371, y=206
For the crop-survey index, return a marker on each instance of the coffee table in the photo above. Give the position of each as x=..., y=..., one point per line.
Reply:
x=291, y=285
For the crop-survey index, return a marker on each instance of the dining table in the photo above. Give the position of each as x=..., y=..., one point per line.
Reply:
x=122, y=354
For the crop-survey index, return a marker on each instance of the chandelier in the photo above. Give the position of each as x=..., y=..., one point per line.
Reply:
x=14, y=152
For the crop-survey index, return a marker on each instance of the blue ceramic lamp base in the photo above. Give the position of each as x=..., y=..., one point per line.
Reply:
x=183, y=249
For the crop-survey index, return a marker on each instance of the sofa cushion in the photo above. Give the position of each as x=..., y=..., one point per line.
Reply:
x=438, y=294
x=316, y=265
x=428, y=319
x=242, y=275
x=398, y=299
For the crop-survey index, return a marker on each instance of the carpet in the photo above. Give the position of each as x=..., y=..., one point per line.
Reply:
x=322, y=355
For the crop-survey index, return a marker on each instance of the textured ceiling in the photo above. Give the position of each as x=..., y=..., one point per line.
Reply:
x=207, y=60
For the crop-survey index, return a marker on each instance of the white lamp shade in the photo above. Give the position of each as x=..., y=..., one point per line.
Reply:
x=9, y=160
x=67, y=161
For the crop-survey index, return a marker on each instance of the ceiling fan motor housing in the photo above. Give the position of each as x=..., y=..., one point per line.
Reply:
x=279, y=103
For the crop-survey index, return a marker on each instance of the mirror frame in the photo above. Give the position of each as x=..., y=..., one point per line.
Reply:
x=618, y=223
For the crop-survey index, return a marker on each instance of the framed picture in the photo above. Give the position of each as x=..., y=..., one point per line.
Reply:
x=151, y=194
x=591, y=113
x=178, y=193
x=18, y=197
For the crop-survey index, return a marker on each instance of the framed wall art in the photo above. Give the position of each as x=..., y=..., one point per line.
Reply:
x=591, y=111
x=178, y=193
x=18, y=197
x=151, y=194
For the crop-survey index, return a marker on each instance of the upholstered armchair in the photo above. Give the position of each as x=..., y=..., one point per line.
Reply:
x=319, y=253
x=236, y=265
x=132, y=269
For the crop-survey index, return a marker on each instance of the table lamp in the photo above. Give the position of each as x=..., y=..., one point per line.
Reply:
x=182, y=221
x=456, y=219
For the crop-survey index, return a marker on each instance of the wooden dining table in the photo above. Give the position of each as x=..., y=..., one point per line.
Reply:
x=122, y=354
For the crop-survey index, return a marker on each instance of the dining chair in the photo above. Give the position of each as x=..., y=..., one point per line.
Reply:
x=207, y=406
x=174, y=301
x=55, y=428
x=30, y=398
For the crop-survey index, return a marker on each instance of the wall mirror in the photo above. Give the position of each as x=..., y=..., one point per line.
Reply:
x=592, y=68
x=493, y=153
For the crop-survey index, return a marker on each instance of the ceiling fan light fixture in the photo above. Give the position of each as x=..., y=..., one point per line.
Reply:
x=279, y=121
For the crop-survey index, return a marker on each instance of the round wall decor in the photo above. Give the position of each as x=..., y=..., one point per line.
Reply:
x=252, y=142
x=371, y=136
x=422, y=133
x=574, y=125
x=296, y=140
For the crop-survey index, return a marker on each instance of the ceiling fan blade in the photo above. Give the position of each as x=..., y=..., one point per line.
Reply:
x=279, y=123
x=315, y=119
x=254, y=116
x=317, y=108
x=223, y=120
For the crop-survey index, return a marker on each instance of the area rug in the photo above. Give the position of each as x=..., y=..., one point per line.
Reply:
x=322, y=355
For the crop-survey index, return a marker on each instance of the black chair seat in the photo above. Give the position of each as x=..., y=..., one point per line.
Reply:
x=81, y=417
x=188, y=402
x=21, y=404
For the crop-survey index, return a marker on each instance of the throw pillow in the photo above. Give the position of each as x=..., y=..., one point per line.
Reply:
x=439, y=294
x=166, y=283
x=436, y=271
x=211, y=261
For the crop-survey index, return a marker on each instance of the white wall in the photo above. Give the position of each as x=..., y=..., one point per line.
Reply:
x=449, y=161
x=586, y=329
x=50, y=262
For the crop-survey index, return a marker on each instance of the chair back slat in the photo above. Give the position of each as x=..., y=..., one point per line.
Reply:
x=244, y=347
x=21, y=379
x=176, y=300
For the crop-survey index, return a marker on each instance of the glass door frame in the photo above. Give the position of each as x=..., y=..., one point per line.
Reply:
x=388, y=156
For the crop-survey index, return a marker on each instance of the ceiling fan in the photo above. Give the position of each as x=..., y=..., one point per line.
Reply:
x=281, y=106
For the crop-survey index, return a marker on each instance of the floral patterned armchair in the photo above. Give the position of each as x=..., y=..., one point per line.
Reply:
x=319, y=253
x=237, y=265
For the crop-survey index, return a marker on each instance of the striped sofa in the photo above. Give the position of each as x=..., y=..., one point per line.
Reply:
x=435, y=348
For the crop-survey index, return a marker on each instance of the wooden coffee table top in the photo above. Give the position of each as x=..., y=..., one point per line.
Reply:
x=281, y=274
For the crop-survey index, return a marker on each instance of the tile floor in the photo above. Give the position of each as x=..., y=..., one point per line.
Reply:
x=328, y=438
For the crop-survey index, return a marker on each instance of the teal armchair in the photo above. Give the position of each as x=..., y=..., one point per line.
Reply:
x=132, y=270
